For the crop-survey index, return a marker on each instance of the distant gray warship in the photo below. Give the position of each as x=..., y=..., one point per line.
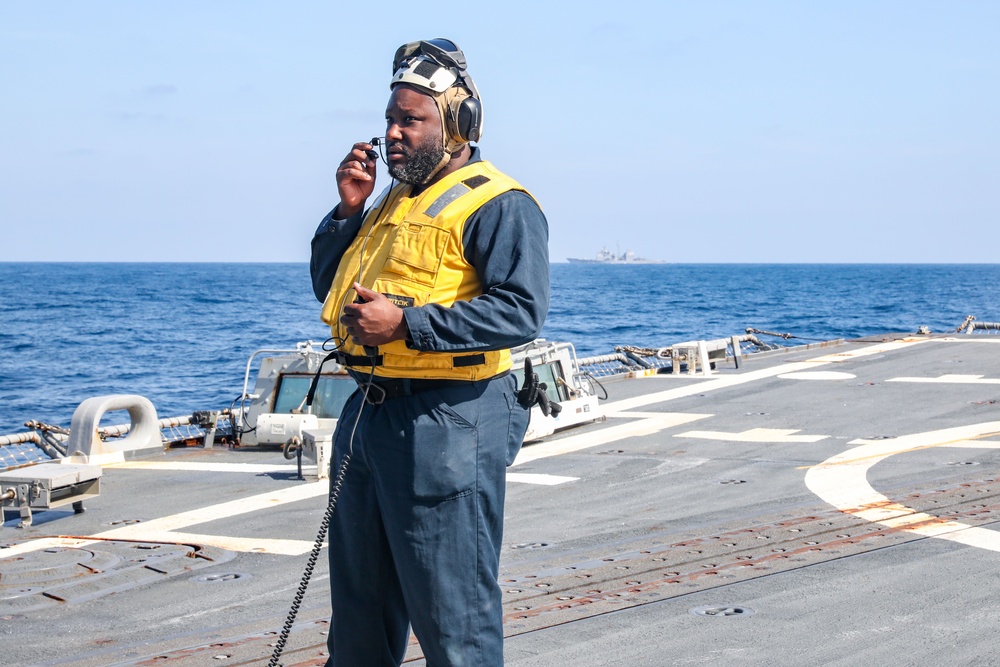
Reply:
x=605, y=256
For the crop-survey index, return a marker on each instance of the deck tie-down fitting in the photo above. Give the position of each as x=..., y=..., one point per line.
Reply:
x=86, y=445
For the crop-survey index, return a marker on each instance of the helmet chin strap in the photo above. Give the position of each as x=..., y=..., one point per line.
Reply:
x=441, y=165
x=451, y=145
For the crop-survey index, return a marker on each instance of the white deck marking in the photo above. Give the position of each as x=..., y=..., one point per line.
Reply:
x=976, y=444
x=254, y=545
x=208, y=466
x=545, y=480
x=652, y=422
x=42, y=543
x=604, y=436
x=817, y=375
x=950, y=379
x=878, y=348
x=618, y=414
x=221, y=510
x=727, y=381
x=163, y=529
x=754, y=435
x=245, y=544
x=842, y=481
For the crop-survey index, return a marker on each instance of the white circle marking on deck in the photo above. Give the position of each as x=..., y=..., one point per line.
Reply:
x=842, y=481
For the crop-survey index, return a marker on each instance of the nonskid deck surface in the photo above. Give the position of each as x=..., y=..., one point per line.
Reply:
x=819, y=506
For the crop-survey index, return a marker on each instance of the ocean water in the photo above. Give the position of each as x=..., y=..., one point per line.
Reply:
x=181, y=334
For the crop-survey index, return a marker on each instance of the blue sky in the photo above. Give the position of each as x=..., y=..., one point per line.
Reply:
x=687, y=131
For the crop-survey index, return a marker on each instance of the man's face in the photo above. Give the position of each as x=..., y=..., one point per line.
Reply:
x=414, y=141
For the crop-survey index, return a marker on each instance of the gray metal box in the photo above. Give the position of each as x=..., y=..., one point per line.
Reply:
x=48, y=485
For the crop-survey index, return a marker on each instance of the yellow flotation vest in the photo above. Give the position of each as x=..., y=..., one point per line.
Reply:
x=410, y=249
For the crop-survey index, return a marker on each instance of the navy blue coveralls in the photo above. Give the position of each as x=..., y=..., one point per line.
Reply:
x=416, y=536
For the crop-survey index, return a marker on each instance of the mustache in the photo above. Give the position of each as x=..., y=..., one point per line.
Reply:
x=398, y=147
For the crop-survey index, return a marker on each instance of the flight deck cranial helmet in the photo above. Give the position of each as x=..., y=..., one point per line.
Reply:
x=437, y=66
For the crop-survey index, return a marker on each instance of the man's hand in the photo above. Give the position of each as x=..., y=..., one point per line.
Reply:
x=375, y=321
x=355, y=180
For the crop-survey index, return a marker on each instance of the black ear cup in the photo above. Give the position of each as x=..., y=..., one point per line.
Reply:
x=468, y=119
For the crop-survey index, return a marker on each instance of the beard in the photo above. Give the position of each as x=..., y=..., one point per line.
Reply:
x=420, y=162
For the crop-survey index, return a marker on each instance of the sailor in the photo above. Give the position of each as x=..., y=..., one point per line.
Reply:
x=426, y=289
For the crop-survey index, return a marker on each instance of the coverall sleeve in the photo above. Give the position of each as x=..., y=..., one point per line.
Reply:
x=507, y=241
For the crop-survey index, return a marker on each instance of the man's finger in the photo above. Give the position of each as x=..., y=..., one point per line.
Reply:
x=364, y=292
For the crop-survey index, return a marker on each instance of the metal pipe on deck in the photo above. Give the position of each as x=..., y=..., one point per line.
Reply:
x=20, y=438
x=604, y=359
x=123, y=429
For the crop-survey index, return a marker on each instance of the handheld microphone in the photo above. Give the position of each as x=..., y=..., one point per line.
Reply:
x=370, y=350
x=375, y=141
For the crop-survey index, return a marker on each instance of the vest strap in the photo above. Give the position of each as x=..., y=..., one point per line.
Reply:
x=356, y=360
x=469, y=360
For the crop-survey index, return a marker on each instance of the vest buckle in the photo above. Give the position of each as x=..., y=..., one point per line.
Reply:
x=374, y=394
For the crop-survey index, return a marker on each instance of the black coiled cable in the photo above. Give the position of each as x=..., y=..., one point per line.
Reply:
x=324, y=526
x=300, y=594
